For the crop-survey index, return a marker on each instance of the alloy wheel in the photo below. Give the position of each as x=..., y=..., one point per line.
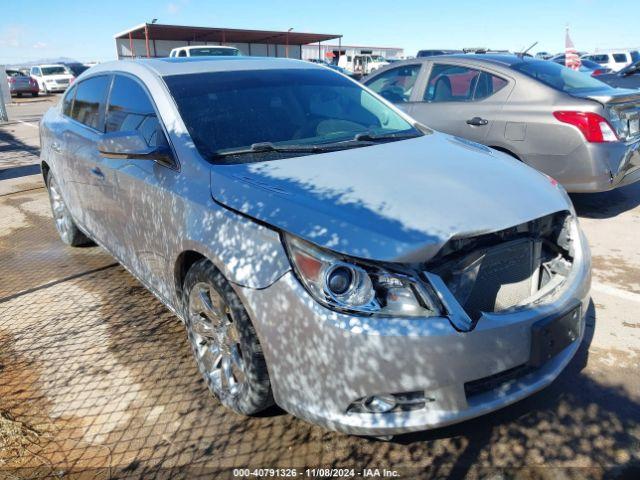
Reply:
x=61, y=215
x=216, y=340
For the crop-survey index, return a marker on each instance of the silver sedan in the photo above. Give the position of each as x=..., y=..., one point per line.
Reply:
x=323, y=249
x=576, y=129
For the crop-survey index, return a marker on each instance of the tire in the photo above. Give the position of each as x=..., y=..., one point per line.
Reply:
x=224, y=341
x=19, y=95
x=35, y=94
x=67, y=228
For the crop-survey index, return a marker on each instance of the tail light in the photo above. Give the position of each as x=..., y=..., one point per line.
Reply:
x=12, y=80
x=595, y=128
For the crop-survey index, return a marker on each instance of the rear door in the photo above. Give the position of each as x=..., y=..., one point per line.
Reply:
x=81, y=139
x=461, y=100
x=56, y=145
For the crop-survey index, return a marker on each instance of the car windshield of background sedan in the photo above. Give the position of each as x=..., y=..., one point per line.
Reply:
x=208, y=52
x=238, y=117
x=559, y=77
x=54, y=71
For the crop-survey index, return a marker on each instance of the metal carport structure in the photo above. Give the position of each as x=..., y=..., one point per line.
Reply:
x=156, y=40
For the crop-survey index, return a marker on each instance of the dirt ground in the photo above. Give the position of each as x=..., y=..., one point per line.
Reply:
x=97, y=379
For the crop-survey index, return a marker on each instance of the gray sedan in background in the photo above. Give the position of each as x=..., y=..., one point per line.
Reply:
x=580, y=131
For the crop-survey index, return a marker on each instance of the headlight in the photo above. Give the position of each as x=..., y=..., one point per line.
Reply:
x=345, y=284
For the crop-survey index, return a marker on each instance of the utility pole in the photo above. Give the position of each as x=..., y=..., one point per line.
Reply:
x=4, y=118
x=3, y=83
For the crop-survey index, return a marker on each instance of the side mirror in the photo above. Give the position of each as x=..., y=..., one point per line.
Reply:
x=132, y=146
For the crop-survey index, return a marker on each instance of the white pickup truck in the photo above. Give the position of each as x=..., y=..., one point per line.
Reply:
x=204, y=51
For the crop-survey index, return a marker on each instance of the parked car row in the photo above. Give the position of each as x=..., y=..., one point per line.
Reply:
x=326, y=248
x=615, y=60
x=44, y=78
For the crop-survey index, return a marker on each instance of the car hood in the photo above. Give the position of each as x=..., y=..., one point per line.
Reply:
x=398, y=202
x=62, y=76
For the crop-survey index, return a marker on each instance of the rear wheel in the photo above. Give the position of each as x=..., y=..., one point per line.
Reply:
x=19, y=95
x=224, y=342
x=67, y=228
x=35, y=94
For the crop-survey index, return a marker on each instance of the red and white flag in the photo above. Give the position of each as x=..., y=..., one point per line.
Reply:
x=571, y=58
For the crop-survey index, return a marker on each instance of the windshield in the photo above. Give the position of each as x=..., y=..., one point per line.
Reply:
x=229, y=111
x=213, y=51
x=54, y=70
x=559, y=77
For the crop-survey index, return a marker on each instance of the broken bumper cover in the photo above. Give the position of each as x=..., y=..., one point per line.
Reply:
x=320, y=362
x=600, y=167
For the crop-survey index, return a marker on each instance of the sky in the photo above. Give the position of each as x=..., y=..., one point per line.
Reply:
x=84, y=29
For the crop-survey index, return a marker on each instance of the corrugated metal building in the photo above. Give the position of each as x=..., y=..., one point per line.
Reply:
x=157, y=40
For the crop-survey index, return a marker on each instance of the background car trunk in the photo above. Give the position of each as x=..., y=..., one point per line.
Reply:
x=623, y=111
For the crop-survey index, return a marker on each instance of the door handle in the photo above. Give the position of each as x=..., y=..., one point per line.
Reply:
x=56, y=147
x=97, y=172
x=477, y=121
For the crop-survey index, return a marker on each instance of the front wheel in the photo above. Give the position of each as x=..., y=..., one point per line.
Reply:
x=224, y=342
x=67, y=228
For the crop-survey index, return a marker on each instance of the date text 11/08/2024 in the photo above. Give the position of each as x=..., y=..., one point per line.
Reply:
x=316, y=472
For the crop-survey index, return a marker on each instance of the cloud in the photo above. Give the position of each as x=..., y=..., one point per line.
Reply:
x=173, y=8
x=12, y=36
x=39, y=45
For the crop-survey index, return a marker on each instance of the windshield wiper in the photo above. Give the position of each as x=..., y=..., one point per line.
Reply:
x=271, y=147
x=372, y=137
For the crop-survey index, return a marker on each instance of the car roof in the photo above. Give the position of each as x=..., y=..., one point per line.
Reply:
x=604, y=52
x=503, y=59
x=496, y=59
x=189, y=47
x=188, y=65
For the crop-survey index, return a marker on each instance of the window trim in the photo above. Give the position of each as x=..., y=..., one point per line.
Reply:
x=176, y=161
x=481, y=69
x=102, y=114
x=68, y=92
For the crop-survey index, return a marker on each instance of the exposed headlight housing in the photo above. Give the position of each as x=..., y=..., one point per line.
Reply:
x=348, y=285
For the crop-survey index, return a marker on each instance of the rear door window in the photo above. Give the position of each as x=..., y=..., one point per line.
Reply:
x=130, y=109
x=559, y=77
x=88, y=106
x=396, y=84
x=620, y=57
x=67, y=103
x=601, y=59
x=454, y=83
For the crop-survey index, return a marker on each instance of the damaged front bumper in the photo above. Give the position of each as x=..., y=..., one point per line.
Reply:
x=322, y=363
